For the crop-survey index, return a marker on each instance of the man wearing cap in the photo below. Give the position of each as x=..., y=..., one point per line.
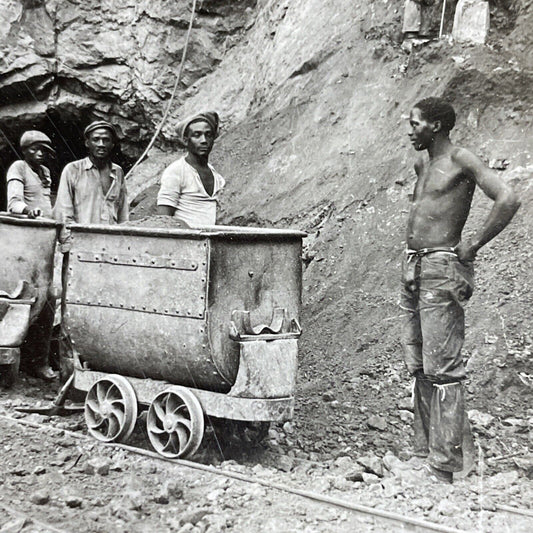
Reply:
x=92, y=190
x=28, y=193
x=190, y=186
x=28, y=180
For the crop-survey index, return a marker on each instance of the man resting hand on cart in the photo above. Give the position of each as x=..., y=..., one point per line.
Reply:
x=438, y=279
x=28, y=193
x=190, y=186
x=28, y=180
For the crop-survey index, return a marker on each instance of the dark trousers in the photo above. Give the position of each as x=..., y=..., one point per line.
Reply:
x=34, y=351
x=435, y=286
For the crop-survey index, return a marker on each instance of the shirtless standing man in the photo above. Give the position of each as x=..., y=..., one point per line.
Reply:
x=438, y=279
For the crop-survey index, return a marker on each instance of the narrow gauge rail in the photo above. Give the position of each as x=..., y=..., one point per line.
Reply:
x=378, y=515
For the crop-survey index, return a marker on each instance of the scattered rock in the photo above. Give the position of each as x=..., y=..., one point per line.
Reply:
x=406, y=404
x=514, y=422
x=97, y=465
x=480, y=419
x=132, y=499
x=193, y=516
x=406, y=416
x=288, y=428
x=40, y=497
x=377, y=422
x=355, y=474
x=370, y=478
x=372, y=464
x=426, y=504
x=39, y=470
x=447, y=508
x=173, y=489
x=328, y=397
x=525, y=464
x=74, y=502
x=341, y=483
x=285, y=463
x=503, y=480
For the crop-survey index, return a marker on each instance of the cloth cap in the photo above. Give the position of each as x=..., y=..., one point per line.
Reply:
x=100, y=124
x=33, y=137
x=211, y=117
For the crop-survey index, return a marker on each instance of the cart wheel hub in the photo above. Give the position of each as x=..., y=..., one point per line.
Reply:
x=169, y=424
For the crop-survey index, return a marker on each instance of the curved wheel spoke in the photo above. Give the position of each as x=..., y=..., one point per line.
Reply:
x=119, y=415
x=181, y=420
x=183, y=409
x=182, y=437
x=159, y=411
x=113, y=426
x=93, y=405
x=96, y=423
x=158, y=431
x=100, y=392
x=172, y=445
x=118, y=401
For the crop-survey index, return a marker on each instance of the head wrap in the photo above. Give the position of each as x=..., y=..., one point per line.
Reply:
x=211, y=117
x=97, y=124
x=35, y=137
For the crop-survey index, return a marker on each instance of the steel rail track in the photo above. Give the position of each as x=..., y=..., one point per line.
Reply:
x=414, y=524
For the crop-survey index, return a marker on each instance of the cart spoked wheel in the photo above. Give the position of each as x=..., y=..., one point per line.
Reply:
x=175, y=423
x=111, y=409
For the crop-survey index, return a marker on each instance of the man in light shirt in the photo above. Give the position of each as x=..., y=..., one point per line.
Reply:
x=92, y=190
x=190, y=186
x=28, y=180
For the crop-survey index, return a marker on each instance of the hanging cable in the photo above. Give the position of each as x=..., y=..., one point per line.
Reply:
x=174, y=90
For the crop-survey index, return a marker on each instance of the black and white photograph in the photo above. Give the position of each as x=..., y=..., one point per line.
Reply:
x=266, y=266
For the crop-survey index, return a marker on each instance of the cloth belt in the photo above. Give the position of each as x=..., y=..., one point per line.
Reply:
x=411, y=254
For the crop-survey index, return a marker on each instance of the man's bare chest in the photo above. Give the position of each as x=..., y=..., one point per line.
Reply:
x=440, y=180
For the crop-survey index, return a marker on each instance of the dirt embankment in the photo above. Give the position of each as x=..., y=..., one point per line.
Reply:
x=318, y=142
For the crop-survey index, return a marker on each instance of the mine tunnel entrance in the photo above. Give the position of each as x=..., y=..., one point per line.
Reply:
x=66, y=133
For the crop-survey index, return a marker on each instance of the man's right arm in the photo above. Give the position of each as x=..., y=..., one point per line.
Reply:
x=169, y=193
x=166, y=210
x=64, y=207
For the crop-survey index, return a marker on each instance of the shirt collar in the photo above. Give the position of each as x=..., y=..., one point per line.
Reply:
x=88, y=164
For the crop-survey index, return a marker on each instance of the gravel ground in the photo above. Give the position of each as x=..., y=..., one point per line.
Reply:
x=76, y=484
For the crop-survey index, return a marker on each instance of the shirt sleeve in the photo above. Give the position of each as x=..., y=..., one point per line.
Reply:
x=64, y=208
x=15, y=190
x=170, y=190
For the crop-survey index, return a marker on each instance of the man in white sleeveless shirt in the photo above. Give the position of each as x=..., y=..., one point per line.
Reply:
x=190, y=186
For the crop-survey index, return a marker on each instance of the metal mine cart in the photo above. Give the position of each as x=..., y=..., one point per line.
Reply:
x=26, y=272
x=185, y=322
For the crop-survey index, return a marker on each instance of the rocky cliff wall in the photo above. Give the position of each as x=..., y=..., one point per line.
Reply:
x=64, y=63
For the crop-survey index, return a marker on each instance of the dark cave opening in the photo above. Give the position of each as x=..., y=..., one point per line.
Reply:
x=65, y=131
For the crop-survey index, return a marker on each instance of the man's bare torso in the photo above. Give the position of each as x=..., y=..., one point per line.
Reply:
x=441, y=203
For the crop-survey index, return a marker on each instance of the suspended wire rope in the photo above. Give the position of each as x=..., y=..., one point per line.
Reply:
x=172, y=96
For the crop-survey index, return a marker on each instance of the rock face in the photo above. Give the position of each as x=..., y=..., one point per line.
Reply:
x=66, y=63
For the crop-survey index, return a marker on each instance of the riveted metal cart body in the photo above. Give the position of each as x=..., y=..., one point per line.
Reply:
x=26, y=274
x=214, y=311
